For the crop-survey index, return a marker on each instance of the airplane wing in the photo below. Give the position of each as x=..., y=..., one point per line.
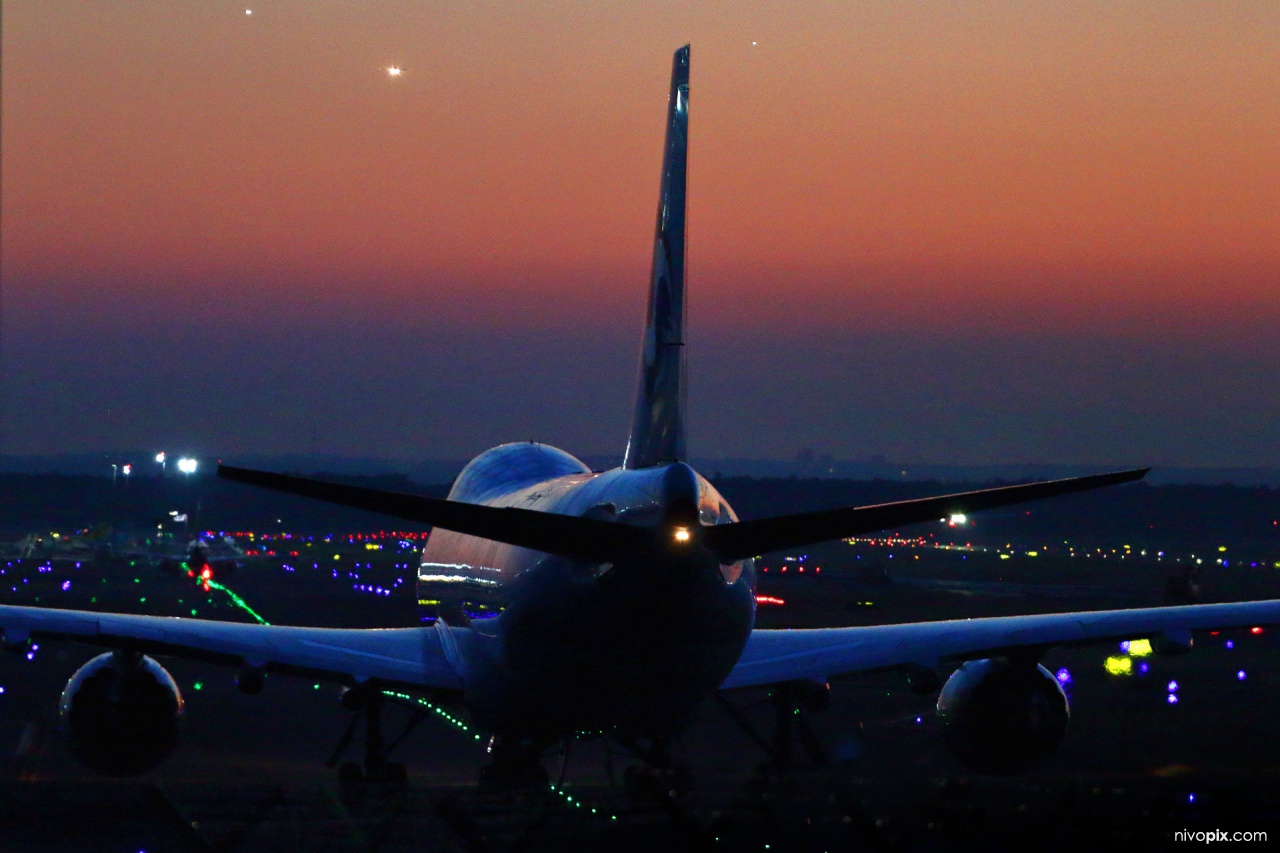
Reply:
x=774, y=655
x=415, y=657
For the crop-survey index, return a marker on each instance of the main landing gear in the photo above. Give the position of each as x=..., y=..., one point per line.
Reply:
x=658, y=776
x=792, y=701
x=368, y=701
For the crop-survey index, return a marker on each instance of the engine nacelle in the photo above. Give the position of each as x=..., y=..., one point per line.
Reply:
x=122, y=712
x=1002, y=717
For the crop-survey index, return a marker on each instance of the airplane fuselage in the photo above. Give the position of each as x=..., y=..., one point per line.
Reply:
x=559, y=645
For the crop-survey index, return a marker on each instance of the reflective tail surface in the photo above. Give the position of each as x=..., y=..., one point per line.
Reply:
x=657, y=428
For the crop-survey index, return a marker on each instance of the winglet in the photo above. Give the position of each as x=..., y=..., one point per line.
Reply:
x=657, y=427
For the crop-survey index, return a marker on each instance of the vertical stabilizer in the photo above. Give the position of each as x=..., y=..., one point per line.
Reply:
x=657, y=428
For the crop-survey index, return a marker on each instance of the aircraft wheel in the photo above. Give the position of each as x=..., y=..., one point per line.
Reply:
x=679, y=781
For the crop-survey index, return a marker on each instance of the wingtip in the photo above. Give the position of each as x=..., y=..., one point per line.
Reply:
x=231, y=472
x=1116, y=478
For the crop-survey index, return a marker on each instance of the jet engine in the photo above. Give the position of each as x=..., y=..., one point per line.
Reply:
x=999, y=716
x=122, y=712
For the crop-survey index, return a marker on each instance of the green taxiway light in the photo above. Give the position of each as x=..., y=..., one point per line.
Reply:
x=239, y=602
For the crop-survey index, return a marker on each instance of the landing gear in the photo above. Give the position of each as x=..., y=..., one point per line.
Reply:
x=792, y=701
x=663, y=783
x=674, y=782
x=660, y=776
x=367, y=701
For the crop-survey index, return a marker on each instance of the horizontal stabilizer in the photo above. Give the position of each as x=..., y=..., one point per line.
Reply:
x=600, y=541
x=752, y=538
x=589, y=539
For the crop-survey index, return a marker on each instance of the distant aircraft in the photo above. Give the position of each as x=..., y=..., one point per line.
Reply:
x=556, y=600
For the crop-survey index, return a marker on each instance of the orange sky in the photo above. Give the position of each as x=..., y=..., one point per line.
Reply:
x=937, y=143
x=957, y=168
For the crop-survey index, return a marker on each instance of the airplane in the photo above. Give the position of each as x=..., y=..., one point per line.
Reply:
x=557, y=600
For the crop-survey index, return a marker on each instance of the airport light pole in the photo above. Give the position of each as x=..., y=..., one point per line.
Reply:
x=187, y=465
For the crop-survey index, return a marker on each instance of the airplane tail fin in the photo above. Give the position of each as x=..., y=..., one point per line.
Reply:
x=657, y=427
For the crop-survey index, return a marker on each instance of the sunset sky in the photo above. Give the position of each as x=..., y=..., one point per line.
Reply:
x=967, y=232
